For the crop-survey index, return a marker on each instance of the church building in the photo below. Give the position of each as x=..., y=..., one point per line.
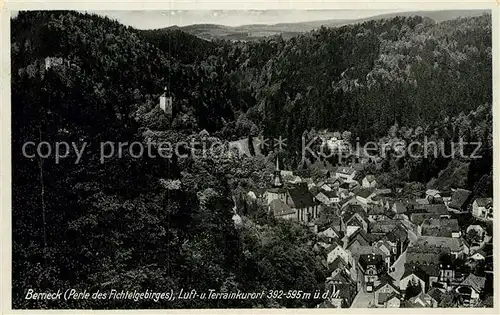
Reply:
x=293, y=202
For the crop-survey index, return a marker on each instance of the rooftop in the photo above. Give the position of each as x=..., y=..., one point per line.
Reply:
x=436, y=294
x=484, y=202
x=453, y=244
x=398, y=234
x=365, y=192
x=376, y=209
x=301, y=198
x=346, y=170
x=477, y=283
x=383, y=226
x=424, y=255
x=370, y=178
x=279, y=208
x=417, y=271
x=459, y=198
x=330, y=194
x=433, y=208
x=387, y=279
x=371, y=259
x=419, y=218
x=440, y=227
x=399, y=207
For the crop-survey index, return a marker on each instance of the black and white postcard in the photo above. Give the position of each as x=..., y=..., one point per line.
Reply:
x=209, y=158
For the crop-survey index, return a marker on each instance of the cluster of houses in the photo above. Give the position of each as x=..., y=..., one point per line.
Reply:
x=376, y=245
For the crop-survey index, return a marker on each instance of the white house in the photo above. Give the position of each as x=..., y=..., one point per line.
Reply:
x=330, y=233
x=385, y=292
x=483, y=208
x=327, y=197
x=432, y=193
x=251, y=195
x=326, y=187
x=351, y=229
x=472, y=286
x=339, y=251
x=369, y=181
x=286, y=173
x=478, y=256
x=53, y=61
x=423, y=300
x=345, y=173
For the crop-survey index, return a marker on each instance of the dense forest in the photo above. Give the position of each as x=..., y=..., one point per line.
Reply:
x=136, y=223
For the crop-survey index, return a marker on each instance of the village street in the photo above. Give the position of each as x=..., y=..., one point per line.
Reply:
x=363, y=299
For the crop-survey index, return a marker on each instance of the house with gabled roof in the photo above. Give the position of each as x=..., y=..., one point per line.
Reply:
x=421, y=202
x=364, y=194
x=399, y=207
x=399, y=237
x=442, y=227
x=342, y=289
x=460, y=200
x=414, y=274
x=371, y=267
x=353, y=225
x=421, y=254
x=355, y=215
x=422, y=300
x=386, y=247
x=471, y=289
x=432, y=269
x=330, y=233
x=345, y=173
x=351, y=200
x=383, y=226
x=432, y=194
x=482, y=208
x=479, y=255
x=336, y=250
x=369, y=181
x=436, y=294
x=338, y=264
x=419, y=218
x=385, y=290
x=377, y=213
x=439, y=208
x=281, y=210
x=451, y=245
x=393, y=300
x=358, y=238
x=327, y=197
x=358, y=250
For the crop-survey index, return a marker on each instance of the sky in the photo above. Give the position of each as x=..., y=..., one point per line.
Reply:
x=160, y=19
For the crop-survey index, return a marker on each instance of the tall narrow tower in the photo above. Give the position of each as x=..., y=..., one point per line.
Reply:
x=277, y=180
x=166, y=102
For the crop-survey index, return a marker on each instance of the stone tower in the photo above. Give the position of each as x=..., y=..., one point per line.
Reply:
x=166, y=102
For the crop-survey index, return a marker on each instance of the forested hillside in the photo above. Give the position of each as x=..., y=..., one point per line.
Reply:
x=366, y=77
x=70, y=219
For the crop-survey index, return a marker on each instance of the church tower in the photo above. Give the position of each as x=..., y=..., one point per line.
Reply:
x=277, y=180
